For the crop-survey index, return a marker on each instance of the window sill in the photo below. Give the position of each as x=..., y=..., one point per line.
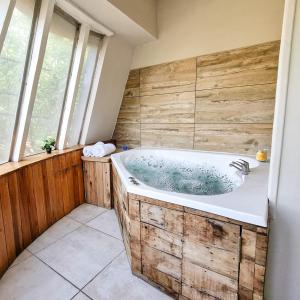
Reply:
x=10, y=167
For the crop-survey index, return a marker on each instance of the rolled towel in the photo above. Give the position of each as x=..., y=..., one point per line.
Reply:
x=90, y=150
x=99, y=150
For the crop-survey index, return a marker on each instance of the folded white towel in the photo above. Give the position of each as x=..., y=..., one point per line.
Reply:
x=99, y=150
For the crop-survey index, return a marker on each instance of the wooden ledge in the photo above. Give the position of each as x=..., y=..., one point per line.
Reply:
x=29, y=160
x=104, y=159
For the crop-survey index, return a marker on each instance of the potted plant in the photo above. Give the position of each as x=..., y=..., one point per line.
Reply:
x=48, y=144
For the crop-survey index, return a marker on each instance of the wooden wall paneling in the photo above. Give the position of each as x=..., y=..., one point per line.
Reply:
x=50, y=191
x=15, y=200
x=59, y=203
x=132, y=88
x=232, y=87
x=130, y=110
x=234, y=138
x=128, y=134
x=167, y=135
x=3, y=249
x=25, y=207
x=7, y=216
x=168, y=108
x=38, y=197
x=174, y=77
x=261, y=56
x=98, y=188
x=249, y=104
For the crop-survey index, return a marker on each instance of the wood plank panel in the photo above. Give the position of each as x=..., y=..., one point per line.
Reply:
x=212, y=258
x=250, y=104
x=15, y=199
x=7, y=219
x=31, y=199
x=210, y=232
x=162, y=269
x=245, y=78
x=209, y=282
x=168, y=108
x=242, y=138
x=167, y=135
x=192, y=293
x=132, y=88
x=174, y=77
x=166, y=219
x=161, y=240
x=128, y=134
x=130, y=110
x=261, y=56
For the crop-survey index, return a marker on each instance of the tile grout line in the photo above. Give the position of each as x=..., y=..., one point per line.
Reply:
x=103, y=269
x=56, y=272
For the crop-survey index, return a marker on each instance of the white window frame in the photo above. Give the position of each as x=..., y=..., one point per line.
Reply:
x=38, y=47
x=6, y=12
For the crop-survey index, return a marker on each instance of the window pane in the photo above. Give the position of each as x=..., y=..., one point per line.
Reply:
x=86, y=79
x=52, y=84
x=12, y=64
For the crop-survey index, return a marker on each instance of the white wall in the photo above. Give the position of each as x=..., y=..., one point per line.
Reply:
x=114, y=74
x=188, y=28
x=143, y=12
x=283, y=272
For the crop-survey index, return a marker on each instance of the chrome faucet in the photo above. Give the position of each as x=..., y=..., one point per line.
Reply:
x=241, y=165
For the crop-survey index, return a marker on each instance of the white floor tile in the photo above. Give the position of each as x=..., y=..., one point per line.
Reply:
x=80, y=255
x=55, y=232
x=107, y=223
x=22, y=257
x=32, y=279
x=86, y=212
x=117, y=282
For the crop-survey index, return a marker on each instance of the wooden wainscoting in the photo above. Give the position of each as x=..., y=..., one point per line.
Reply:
x=34, y=194
x=220, y=102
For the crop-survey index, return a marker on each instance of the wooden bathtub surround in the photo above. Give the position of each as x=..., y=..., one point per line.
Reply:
x=188, y=253
x=219, y=102
x=97, y=181
x=34, y=194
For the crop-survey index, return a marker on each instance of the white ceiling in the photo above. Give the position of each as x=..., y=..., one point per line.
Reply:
x=113, y=18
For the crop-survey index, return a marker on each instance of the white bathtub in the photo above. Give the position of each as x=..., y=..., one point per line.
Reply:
x=247, y=202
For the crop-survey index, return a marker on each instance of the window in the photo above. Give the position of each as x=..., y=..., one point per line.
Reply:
x=12, y=64
x=84, y=89
x=52, y=83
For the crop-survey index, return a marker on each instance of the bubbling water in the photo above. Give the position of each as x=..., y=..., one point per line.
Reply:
x=179, y=176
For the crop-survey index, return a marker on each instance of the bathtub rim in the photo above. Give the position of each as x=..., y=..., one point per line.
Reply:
x=252, y=209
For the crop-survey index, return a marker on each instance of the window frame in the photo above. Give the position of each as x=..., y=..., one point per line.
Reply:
x=42, y=17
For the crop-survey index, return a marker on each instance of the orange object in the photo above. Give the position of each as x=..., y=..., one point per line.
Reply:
x=261, y=155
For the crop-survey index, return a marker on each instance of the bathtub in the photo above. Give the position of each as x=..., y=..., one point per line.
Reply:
x=244, y=198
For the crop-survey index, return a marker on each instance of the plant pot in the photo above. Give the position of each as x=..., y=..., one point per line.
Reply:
x=49, y=150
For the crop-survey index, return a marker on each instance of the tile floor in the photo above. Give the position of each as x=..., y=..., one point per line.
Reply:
x=80, y=257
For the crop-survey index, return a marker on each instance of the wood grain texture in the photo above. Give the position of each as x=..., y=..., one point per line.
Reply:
x=250, y=104
x=191, y=254
x=209, y=282
x=130, y=111
x=97, y=181
x=33, y=197
x=162, y=240
x=234, y=138
x=174, y=77
x=164, y=218
x=261, y=56
x=128, y=134
x=132, y=88
x=168, y=108
x=167, y=135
